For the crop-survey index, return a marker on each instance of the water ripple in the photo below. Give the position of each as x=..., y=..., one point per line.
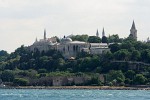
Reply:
x=38, y=94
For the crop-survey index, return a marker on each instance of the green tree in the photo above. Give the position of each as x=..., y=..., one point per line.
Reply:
x=32, y=73
x=140, y=46
x=80, y=38
x=127, y=45
x=104, y=39
x=94, y=39
x=122, y=54
x=139, y=79
x=21, y=51
x=59, y=64
x=95, y=81
x=44, y=62
x=114, y=39
x=116, y=75
x=145, y=55
x=106, y=56
x=7, y=76
x=3, y=53
x=130, y=38
x=21, y=81
x=135, y=55
x=42, y=70
x=88, y=64
x=114, y=47
x=130, y=74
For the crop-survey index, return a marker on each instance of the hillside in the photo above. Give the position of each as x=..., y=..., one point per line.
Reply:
x=127, y=63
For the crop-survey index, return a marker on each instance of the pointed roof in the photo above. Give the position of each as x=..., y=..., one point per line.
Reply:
x=44, y=34
x=36, y=39
x=133, y=25
x=97, y=33
x=103, y=32
x=148, y=39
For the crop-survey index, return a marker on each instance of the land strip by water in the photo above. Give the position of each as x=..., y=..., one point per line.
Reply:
x=79, y=87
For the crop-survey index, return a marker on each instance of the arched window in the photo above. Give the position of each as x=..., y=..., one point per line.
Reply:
x=74, y=48
x=68, y=48
x=77, y=48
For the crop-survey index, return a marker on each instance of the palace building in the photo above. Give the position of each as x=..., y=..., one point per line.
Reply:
x=70, y=48
x=67, y=47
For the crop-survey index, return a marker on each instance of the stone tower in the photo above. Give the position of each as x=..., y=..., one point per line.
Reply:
x=97, y=33
x=103, y=33
x=36, y=40
x=44, y=34
x=133, y=31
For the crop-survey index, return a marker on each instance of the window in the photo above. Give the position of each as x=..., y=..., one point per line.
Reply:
x=68, y=48
x=77, y=48
x=64, y=49
x=74, y=48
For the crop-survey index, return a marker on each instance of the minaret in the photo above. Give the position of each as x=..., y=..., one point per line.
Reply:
x=103, y=33
x=97, y=33
x=148, y=39
x=133, y=31
x=44, y=34
x=36, y=40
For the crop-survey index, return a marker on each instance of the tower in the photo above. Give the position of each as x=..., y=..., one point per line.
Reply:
x=36, y=40
x=104, y=38
x=148, y=40
x=97, y=33
x=44, y=34
x=133, y=31
x=103, y=33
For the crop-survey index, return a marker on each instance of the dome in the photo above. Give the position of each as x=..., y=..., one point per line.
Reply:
x=50, y=43
x=68, y=39
x=65, y=40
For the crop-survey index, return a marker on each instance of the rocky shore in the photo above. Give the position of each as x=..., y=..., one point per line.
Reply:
x=79, y=87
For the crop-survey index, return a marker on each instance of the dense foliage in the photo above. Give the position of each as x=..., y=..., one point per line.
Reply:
x=127, y=63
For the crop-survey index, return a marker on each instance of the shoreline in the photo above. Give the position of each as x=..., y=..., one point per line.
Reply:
x=78, y=87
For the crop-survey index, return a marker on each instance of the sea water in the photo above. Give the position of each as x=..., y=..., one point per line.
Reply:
x=45, y=94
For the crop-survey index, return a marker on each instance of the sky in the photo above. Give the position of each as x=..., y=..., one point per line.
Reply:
x=21, y=21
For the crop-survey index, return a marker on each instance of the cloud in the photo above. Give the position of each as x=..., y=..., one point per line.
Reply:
x=23, y=20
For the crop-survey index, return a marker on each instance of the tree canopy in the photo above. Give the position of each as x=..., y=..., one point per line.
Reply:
x=127, y=62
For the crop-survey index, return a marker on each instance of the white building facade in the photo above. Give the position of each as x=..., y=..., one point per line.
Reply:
x=67, y=47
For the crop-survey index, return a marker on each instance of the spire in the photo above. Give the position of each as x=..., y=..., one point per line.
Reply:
x=97, y=33
x=103, y=33
x=44, y=34
x=148, y=39
x=133, y=31
x=133, y=25
x=36, y=40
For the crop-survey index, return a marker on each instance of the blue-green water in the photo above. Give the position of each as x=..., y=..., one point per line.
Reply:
x=43, y=94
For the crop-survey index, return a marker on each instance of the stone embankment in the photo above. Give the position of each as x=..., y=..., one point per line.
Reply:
x=79, y=87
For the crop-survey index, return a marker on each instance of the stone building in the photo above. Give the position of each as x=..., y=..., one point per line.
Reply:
x=133, y=31
x=73, y=80
x=98, y=48
x=59, y=81
x=71, y=48
x=67, y=47
x=44, y=44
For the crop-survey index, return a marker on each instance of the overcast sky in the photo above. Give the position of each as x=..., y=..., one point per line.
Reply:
x=21, y=21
